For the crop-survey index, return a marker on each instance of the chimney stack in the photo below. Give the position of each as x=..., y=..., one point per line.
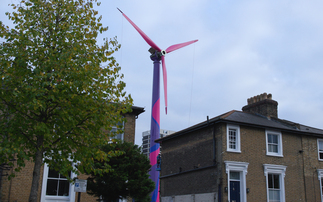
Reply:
x=263, y=105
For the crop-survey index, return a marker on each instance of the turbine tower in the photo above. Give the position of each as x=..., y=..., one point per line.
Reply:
x=156, y=56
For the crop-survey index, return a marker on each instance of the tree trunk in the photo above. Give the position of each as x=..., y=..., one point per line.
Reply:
x=36, y=176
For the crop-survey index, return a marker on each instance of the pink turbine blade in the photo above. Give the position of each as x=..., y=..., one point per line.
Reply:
x=146, y=38
x=165, y=81
x=178, y=46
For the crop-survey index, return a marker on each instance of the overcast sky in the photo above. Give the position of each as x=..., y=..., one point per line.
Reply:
x=245, y=48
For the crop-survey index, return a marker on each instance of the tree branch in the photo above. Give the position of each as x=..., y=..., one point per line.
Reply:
x=71, y=130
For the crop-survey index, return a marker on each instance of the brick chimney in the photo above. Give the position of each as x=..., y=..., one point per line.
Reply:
x=263, y=105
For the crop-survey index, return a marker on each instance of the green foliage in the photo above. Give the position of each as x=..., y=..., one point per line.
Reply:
x=129, y=176
x=56, y=99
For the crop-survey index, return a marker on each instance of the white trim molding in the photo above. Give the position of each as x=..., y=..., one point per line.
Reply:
x=319, y=173
x=280, y=169
x=45, y=198
x=241, y=167
x=318, y=149
x=237, y=140
x=320, y=178
x=276, y=169
x=279, y=153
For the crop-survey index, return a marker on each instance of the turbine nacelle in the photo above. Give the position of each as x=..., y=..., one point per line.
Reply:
x=159, y=53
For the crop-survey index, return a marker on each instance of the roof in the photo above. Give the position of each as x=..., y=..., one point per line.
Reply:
x=137, y=110
x=254, y=120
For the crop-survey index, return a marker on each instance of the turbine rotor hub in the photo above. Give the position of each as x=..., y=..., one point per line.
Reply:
x=163, y=52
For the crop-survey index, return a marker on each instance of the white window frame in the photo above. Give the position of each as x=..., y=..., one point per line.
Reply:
x=276, y=169
x=280, y=144
x=46, y=198
x=238, y=144
x=318, y=149
x=241, y=167
x=320, y=178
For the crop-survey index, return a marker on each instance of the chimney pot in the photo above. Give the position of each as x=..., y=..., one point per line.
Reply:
x=270, y=96
x=263, y=96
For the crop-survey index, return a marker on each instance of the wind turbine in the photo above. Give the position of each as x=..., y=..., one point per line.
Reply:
x=157, y=54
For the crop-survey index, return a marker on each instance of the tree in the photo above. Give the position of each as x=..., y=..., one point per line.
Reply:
x=55, y=98
x=129, y=176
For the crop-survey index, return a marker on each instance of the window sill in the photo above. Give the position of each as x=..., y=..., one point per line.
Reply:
x=234, y=151
x=56, y=197
x=274, y=155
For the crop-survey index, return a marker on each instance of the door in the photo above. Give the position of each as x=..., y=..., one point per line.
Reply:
x=234, y=191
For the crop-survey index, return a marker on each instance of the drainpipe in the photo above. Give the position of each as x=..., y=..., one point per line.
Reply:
x=214, y=143
x=219, y=193
x=214, y=158
x=213, y=133
x=0, y=182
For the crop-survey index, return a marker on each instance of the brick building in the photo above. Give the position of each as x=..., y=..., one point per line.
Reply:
x=239, y=156
x=18, y=188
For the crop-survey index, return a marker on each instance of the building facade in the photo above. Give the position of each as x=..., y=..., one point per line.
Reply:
x=146, y=139
x=52, y=186
x=240, y=156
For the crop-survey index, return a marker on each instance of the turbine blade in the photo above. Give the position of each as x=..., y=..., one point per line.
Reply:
x=144, y=36
x=165, y=81
x=178, y=46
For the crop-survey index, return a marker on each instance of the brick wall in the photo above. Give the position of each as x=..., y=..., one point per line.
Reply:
x=129, y=128
x=311, y=164
x=188, y=158
x=18, y=188
x=253, y=151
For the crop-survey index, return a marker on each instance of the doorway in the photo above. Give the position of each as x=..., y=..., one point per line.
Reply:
x=235, y=188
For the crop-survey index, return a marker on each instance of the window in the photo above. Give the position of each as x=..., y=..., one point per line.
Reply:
x=274, y=187
x=233, y=138
x=57, y=184
x=236, y=172
x=115, y=130
x=275, y=175
x=320, y=149
x=274, y=144
x=56, y=187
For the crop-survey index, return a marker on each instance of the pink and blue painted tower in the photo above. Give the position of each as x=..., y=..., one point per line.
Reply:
x=157, y=55
x=155, y=127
